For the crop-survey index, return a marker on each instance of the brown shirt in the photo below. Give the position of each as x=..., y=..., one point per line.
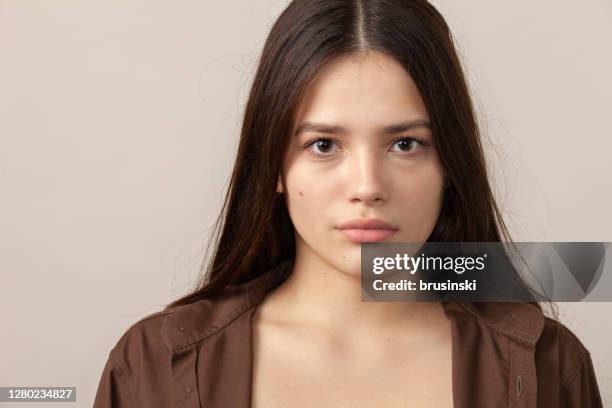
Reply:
x=200, y=355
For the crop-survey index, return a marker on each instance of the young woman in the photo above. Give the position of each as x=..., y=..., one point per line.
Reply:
x=359, y=127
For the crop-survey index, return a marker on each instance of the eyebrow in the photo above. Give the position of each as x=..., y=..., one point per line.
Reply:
x=386, y=130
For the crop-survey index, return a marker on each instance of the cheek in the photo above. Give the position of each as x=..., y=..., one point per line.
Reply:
x=422, y=192
x=307, y=198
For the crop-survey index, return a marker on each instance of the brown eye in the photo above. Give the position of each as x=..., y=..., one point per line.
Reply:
x=408, y=144
x=320, y=147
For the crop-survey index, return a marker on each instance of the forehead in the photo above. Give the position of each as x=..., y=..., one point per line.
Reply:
x=362, y=90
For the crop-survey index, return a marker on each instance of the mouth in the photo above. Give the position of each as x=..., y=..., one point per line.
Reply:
x=367, y=235
x=367, y=229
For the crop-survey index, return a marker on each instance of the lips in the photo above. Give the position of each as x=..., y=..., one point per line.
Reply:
x=367, y=230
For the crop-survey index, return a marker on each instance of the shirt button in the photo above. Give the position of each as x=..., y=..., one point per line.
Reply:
x=188, y=389
x=181, y=328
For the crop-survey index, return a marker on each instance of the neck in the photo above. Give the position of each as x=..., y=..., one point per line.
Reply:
x=323, y=296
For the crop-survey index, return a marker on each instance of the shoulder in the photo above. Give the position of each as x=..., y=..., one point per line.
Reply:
x=141, y=366
x=155, y=337
x=165, y=332
x=141, y=339
x=564, y=366
x=137, y=365
x=558, y=351
x=560, y=348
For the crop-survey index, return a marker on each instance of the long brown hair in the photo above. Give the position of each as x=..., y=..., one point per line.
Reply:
x=254, y=232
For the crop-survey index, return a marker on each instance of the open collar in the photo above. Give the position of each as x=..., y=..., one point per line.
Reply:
x=204, y=343
x=194, y=322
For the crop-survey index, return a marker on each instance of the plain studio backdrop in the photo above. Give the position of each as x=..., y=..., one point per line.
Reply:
x=119, y=122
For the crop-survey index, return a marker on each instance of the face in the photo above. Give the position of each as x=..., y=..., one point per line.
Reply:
x=361, y=148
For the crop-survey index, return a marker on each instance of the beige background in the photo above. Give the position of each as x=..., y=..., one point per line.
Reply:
x=118, y=125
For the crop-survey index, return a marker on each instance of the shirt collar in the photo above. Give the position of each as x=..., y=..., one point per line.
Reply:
x=521, y=320
x=194, y=322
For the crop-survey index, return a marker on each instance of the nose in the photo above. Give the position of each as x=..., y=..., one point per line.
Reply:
x=366, y=177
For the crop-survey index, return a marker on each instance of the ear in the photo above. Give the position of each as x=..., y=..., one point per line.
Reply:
x=279, y=185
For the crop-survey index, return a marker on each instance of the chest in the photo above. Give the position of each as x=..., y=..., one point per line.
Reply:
x=294, y=372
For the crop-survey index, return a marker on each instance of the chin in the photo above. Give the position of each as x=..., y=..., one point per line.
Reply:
x=350, y=264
